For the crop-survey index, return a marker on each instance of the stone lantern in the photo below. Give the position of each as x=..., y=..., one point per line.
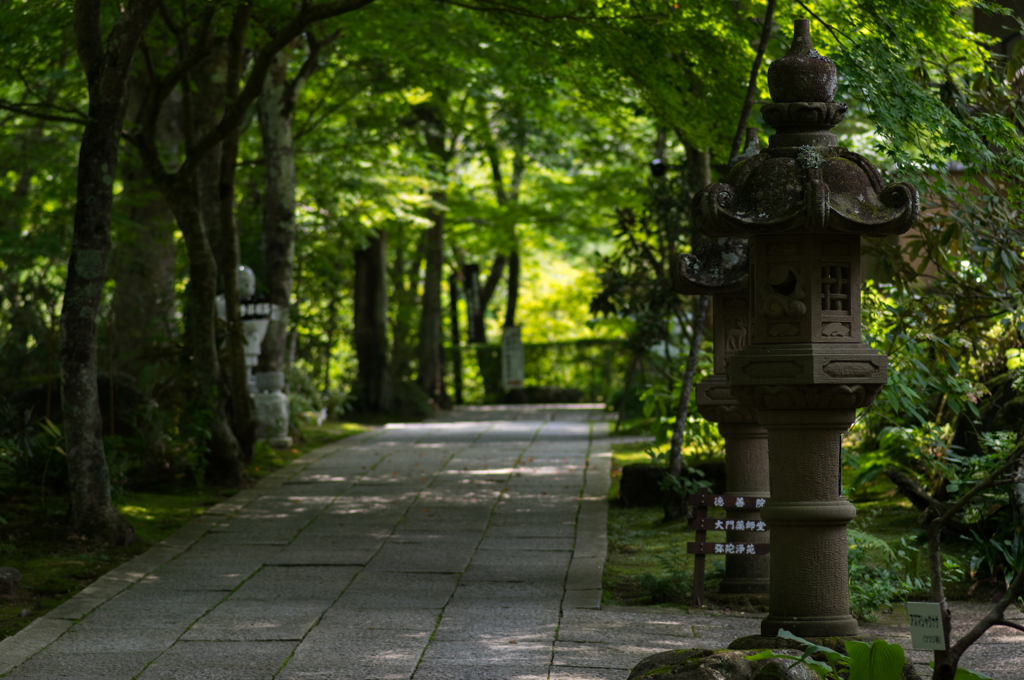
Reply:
x=269, y=399
x=804, y=203
x=720, y=268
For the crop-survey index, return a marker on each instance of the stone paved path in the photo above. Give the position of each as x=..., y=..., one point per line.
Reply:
x=468, y=547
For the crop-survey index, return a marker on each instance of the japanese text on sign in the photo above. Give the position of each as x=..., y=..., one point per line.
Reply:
x=926, y=625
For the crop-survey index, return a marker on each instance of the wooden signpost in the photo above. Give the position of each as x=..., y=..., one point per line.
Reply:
x=701, y=523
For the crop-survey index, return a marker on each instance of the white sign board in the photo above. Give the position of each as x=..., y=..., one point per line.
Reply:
x=926, y=625
x=512, y=359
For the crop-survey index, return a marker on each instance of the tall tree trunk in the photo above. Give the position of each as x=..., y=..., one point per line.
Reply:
x=229, y=253
x=274, y=109
x=106, y=68
x=143, y=261
x=453, y=292
x=370, y=327
x=430, y=367
x=204, y=379
x=513, y=288
x=182, y=186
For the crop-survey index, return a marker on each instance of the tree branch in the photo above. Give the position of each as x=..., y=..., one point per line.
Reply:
x=755, y=69
x=82, y=119
x=237, y=110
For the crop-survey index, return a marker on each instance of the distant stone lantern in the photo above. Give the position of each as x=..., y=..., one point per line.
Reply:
x=720, y=268
x=270, y=401
x=804, y=204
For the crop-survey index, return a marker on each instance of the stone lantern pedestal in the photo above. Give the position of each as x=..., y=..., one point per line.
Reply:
x=720, y=268
x=804, y=203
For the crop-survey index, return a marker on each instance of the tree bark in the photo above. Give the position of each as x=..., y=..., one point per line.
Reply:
x=107, y=68
x=370, y=329
x=229, y=251
x=431, y=368
x=275, y=110
x=143, y=265
x=453, y=292
x=513, y=288
x=204, y=379
x=182, y=190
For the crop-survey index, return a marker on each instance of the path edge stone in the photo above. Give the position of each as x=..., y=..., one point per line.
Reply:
x=26, y=643
x=583, y=582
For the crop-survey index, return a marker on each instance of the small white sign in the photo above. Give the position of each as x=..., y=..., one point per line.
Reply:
x=513, y=361
x=926, y=625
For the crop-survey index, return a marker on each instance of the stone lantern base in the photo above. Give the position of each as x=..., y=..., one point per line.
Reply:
x=272, y=410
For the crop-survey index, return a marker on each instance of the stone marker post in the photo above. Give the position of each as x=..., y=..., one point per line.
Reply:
x=804, y=203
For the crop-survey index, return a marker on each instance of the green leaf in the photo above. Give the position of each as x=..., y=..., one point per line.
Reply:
x=811, y=648
x=964, y=674
x=878, y=661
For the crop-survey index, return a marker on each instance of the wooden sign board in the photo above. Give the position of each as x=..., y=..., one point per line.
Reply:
x=734, y=548
x=719, y=524
x=702, y=524
x=723, y=500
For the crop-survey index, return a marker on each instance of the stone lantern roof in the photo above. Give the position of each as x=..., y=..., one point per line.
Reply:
x=804, y=182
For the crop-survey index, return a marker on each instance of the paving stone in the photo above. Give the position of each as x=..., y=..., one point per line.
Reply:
x=582, y=599
x=235, y=660
x=296, y=583
x=520, y=544
x=83, y=641
x=508, y=591
x=214, y=546
x=387, y=655
x=503, y=565
x=47, y=665
x=318, y=557
x=390, y=590
x=571, y=673
x=435, y=670
x=602, y=655
x=482, y=654
x=16, y=649
x=342, y=618
x=255, y=620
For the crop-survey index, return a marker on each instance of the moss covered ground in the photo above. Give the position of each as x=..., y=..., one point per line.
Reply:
x=55, y=564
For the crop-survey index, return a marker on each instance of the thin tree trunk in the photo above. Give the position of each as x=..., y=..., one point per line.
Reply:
x=275, y=110
x=430, y=369
x=107, y=67
x=487, y=291
x=229, y=260
x=755, y=69
x=143, y=261
x=513, y=288
x=370, y=329
x=204, y=378
x=453, y=291
x=673, y=505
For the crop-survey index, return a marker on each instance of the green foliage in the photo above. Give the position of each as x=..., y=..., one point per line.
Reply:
x=674, y=583
x=879, y=660
x=997, y=557
x=594, y=367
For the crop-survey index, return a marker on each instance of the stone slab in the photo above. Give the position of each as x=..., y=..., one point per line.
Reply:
x=235, y=660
